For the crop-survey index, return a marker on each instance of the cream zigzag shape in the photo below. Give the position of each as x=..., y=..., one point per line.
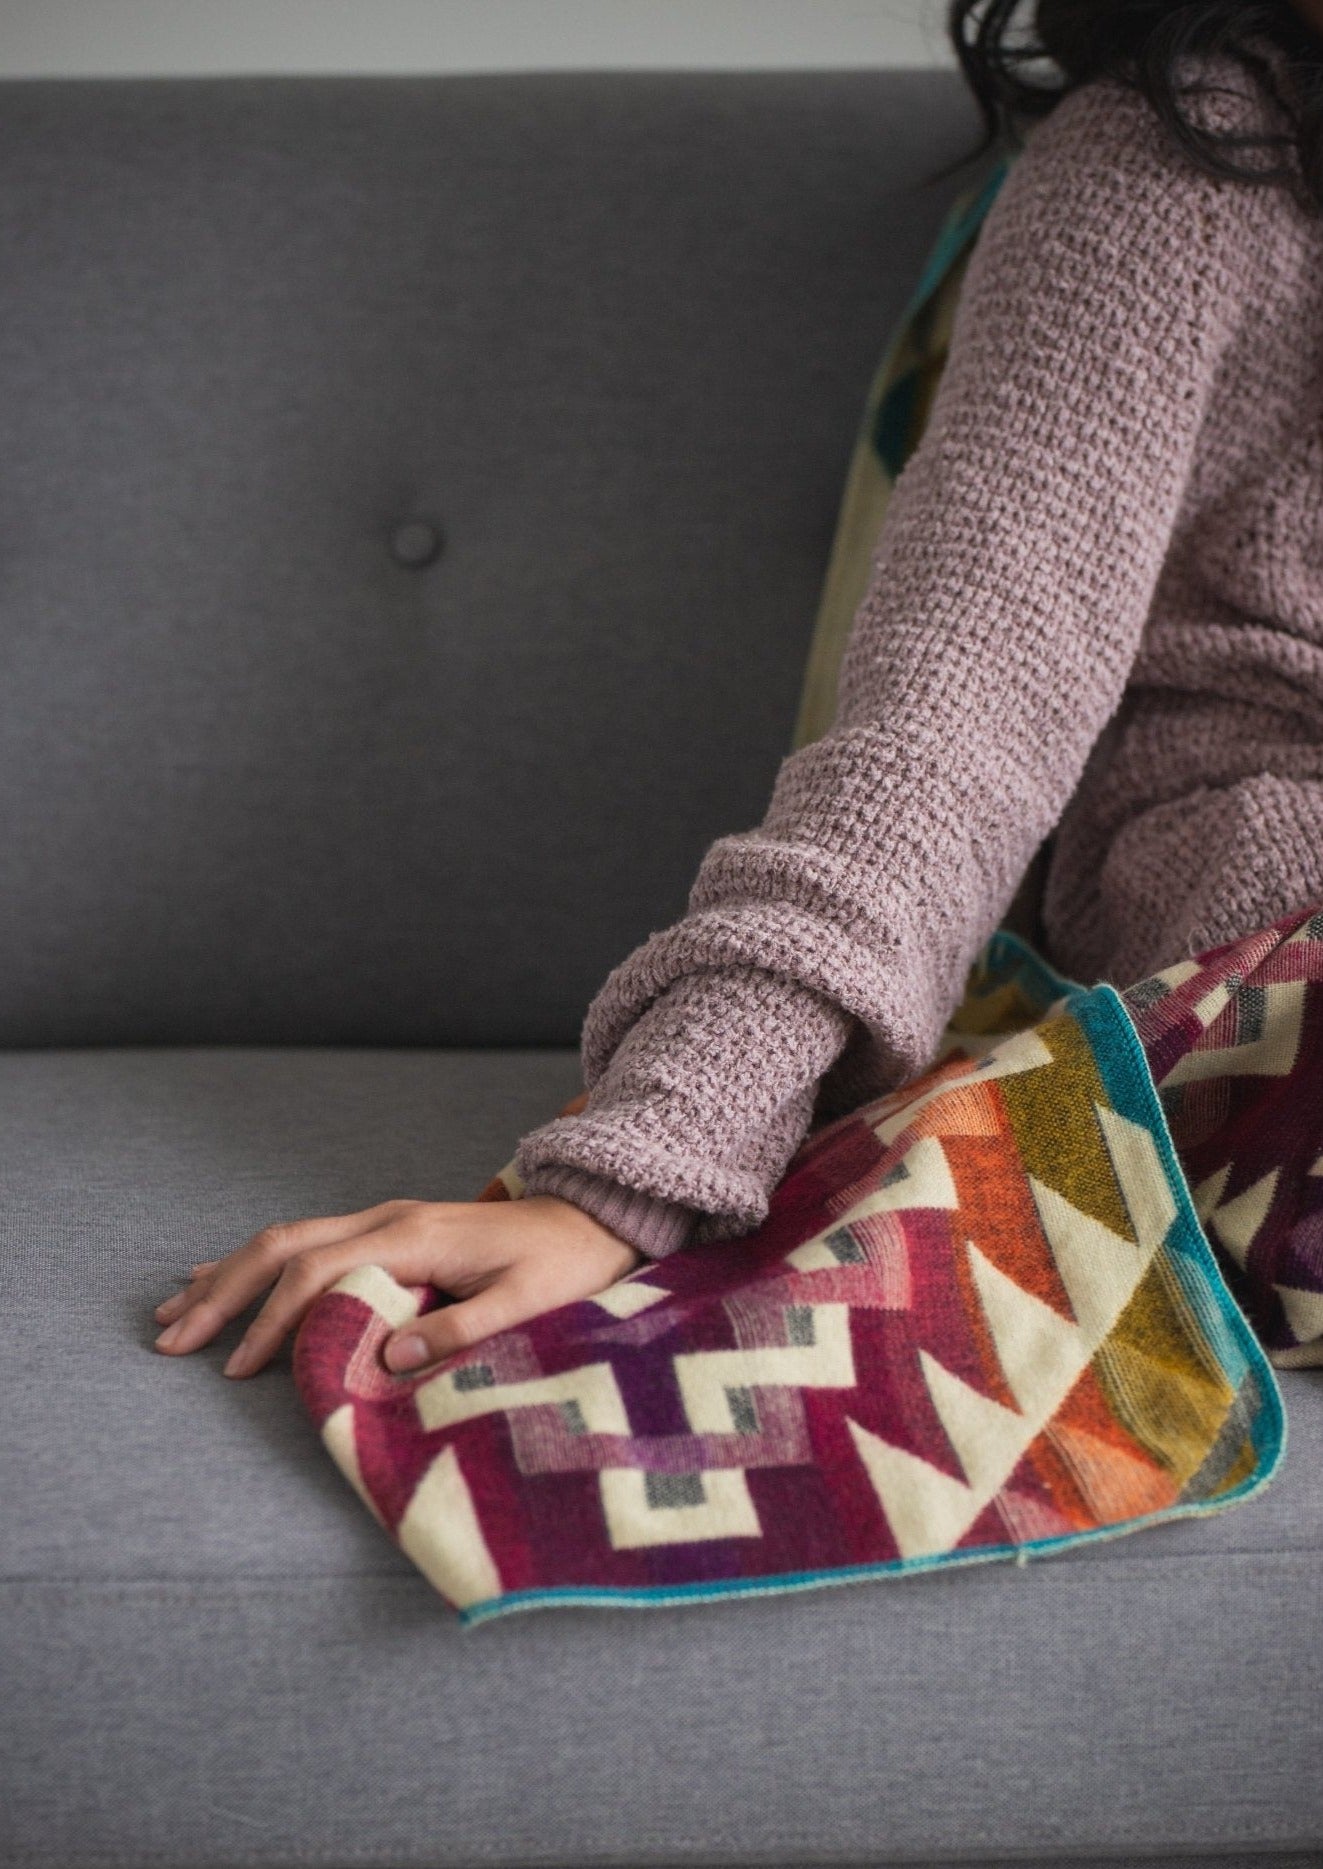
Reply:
x=1141, y=1177
x=440, y=1531
x=1301, y=933
x=1209, y=1192
x=446, y=1536
x=929, y=1510
x=1237, y=1224
x=1024, y=1051
x=1176, y=975
x=381, y=1293
x=442, y=1534
x=1304, y=1313
x=1298, y=1355
x=594, y=1387
x=928, y=1182
x=726, y=1511
x=1273, y=1055
x=1041, y=1353
x=704, y=1377
x=341, y=1444
x=390, y=1301
x=1214, y=1000
x=1238, y=1220
x=626, y=1298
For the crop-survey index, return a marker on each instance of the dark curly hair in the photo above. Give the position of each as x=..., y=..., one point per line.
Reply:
x=1140, y=43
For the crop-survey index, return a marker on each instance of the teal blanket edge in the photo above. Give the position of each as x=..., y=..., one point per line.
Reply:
x=1123, y=1067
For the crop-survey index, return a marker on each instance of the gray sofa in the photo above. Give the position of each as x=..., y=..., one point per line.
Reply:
x=416, y=493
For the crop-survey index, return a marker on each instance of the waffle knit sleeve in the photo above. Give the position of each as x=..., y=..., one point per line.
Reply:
x=696, y=1110
x=1009, y=587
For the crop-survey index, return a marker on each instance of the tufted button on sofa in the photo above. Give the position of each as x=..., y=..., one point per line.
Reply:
x=416, y=543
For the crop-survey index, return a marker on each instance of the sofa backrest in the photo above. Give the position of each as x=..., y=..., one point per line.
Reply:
x=416, y=494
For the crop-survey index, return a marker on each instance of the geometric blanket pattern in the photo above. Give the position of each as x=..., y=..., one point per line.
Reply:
x=1030, y=1298
x=1234, y=1043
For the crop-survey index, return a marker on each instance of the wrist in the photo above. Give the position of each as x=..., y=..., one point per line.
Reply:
x=650, y=1226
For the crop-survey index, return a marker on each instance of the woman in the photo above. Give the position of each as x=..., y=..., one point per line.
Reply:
x=1095, y=620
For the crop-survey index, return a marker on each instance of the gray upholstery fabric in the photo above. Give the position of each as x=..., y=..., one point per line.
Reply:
x=414, y=500
x=272, y=773
x=225, y=1661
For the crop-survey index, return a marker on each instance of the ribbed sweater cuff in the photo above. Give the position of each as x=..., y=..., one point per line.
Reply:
x=654, y=1227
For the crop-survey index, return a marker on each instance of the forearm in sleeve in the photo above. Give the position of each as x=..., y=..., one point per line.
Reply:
x=1009, y=589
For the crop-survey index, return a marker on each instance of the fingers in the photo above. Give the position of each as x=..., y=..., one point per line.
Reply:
x=179, y=1301
x=229, y=1285
x=507, y=1301
x=500, y=1268
x=400, y=1248
x=170, y=1308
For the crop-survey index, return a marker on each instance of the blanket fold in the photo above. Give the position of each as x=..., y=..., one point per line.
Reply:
x=1032, y=1297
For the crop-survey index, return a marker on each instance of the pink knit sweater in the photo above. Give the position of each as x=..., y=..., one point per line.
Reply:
x=1095, y=617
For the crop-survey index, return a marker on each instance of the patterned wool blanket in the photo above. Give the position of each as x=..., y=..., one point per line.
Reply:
x=1031, y=1298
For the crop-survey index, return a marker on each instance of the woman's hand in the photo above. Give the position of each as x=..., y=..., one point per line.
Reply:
x=503, y=1261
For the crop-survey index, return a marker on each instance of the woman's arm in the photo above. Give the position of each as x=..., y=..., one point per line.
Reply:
x=1010, y=585
x=708, y=1092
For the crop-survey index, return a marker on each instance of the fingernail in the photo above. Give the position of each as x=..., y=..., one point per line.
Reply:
x=240, y=1358
x=171, y=1333
x=405, y=1353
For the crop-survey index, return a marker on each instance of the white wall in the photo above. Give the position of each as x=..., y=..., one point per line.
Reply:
x=143, y=38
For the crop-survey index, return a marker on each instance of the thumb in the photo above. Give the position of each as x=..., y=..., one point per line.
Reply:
x=453, y=1327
